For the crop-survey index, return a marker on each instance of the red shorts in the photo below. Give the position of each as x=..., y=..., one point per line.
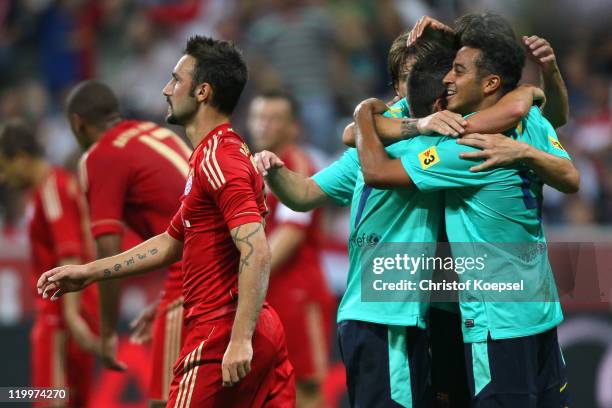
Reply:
x=197, y=374
x=308, y=327
x=57, y=361
x=168, y=336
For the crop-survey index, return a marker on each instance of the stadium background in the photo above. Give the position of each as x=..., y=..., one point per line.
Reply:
x=332, y=59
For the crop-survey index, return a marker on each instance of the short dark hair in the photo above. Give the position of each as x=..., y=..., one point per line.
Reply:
x=94, y=101
x=17, y=137
x=501, y=54
x=294, y=106
x=486, y=22
x=219, y=63
x=425, y=82
x=400, y=51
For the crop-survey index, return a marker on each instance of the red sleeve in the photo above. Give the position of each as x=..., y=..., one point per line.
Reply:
x=59, y=198
x=230, y=175
x=176, y=229
x=105, y=177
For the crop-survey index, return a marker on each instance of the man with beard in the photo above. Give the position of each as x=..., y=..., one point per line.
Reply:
x=234, y=352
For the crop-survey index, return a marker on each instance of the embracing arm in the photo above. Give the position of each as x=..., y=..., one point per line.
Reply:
x=379, y=170
x=499, y=150
x=556, y=108
x=506, y=113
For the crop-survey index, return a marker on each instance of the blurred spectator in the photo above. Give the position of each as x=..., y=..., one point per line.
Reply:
x=292, y=46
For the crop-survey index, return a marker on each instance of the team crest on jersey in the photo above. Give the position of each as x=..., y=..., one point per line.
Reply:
x=556, y=144
x=429, y=157
x=188, y=185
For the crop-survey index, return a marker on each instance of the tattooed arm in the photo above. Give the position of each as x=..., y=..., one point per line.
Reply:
x=391, y=130
x=253, y=276
x=158, y=252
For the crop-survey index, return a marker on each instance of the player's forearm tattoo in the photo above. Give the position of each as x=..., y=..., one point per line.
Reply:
x=243, y=239
x=409, y=127
x=128, y=262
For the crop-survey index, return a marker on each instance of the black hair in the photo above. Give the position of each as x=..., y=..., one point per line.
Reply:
x=400, y=51
x=482, y=22
x=93, y=101
x=17, y=137
x=425, y=82
x=501, y=53
x=219, y=63
x=294, y=106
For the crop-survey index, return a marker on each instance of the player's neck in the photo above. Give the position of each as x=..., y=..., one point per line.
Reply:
x=203, y=124
x=39, y=171
x=487, y=102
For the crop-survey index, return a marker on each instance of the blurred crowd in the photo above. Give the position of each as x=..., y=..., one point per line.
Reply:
x=330, y=54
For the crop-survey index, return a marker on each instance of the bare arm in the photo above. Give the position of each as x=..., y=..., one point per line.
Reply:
x=379, y=170
x=556, y=108
x=253, y=276
x=499, y=150
x=158, y=252
x=296, y=191
x=504, y=115
x=284, y=242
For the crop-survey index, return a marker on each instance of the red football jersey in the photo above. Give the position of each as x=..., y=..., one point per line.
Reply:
x=301, y=275
x=134, y=175
x=224, y=190
x=59, y=229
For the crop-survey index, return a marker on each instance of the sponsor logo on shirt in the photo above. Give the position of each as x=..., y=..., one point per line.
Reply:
x=556, y=144
x=365, y=240
x=429, y=157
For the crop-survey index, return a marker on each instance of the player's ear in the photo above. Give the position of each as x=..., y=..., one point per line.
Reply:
x=491, y=84
x=203, y=92
x=439, y=105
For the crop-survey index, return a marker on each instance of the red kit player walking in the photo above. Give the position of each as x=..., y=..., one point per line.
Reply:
x=63, y=338
x=298, y=290
x=133, y=173
x=234, y=353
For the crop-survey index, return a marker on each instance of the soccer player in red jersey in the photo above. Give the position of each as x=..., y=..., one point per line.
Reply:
x=298, y=291
x=234, y=354
x=63, y=338
x=133, y=173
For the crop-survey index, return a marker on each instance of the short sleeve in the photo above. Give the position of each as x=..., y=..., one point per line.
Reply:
x=338, y=179
x=176, y=229
x=399, y=109
x=231, y=177
x=542, y=134
x=105, y=175
x=434, y=164
x=60, y=202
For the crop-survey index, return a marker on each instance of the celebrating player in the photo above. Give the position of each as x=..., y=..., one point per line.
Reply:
x=234, y=353
x=132, y=173
x=64, y=336
x=516, y=343
x=298, y=291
